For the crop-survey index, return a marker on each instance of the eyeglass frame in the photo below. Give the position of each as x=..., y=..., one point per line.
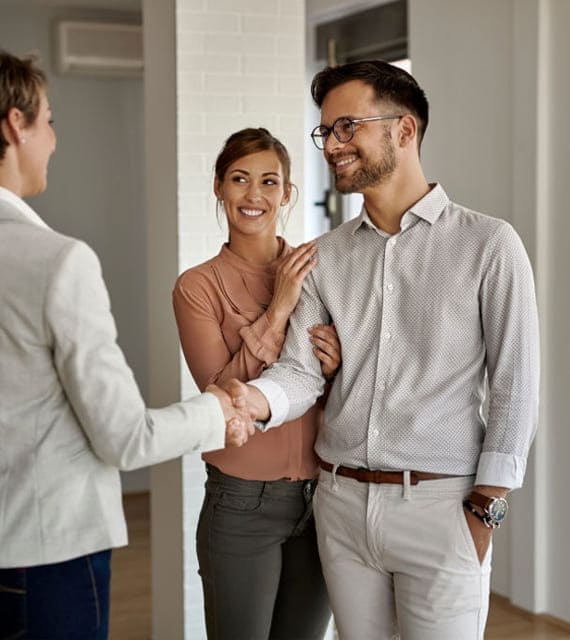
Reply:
x=316, y=132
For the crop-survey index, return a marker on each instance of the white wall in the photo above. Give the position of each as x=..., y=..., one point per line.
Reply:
x=554, y=220
x=461, y=55
x=498, y=140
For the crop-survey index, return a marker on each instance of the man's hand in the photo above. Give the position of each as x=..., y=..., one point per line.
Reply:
x=247, y=398
x=480, y=533
x=239, y=423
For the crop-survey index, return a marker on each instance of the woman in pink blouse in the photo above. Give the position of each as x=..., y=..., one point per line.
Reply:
x=256, y=538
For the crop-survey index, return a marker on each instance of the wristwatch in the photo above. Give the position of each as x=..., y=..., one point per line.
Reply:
x=494, y=508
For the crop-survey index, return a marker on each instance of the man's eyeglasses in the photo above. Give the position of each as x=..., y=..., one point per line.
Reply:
x=343, y=129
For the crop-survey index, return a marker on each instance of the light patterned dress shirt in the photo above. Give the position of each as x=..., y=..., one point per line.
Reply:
x=426, y=318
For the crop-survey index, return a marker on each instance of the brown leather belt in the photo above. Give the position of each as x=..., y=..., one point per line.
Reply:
x=389, y=477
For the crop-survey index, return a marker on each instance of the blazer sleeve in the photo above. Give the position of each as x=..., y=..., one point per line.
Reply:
x=100, y=385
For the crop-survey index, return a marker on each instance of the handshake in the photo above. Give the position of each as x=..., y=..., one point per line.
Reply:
x=241, y=404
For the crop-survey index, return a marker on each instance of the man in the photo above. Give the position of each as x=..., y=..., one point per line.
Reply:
x=429, y=300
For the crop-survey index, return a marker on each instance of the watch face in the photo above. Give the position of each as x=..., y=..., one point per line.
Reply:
x=498, y=509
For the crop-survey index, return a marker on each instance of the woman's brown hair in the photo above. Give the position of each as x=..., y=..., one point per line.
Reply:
x=21, y=84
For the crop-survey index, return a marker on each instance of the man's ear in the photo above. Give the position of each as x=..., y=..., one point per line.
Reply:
x=407, y=130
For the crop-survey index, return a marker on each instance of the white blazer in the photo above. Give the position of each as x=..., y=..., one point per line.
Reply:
x=71, y=414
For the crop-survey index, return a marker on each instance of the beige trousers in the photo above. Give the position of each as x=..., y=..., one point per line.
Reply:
x=399, y=561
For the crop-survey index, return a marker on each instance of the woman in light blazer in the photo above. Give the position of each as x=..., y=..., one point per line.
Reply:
x=71, y=414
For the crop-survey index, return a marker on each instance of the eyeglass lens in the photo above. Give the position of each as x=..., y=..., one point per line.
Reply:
x=343, y=130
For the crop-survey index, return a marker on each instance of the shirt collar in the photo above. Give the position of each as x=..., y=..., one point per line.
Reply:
x=10, y=197
x=363, y=219
x=429, y=208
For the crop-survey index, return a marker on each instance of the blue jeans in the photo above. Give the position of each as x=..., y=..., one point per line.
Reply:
x=62, y=601
x=259, y=563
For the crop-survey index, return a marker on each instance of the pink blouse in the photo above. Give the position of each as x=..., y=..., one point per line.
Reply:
x=220, y=308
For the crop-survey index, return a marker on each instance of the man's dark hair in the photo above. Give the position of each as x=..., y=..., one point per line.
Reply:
x=390, y=84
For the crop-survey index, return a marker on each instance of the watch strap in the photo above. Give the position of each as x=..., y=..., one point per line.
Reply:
x=480, y=499
x=485, y=519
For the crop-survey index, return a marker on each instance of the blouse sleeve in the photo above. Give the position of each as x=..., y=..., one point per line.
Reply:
x=199, y=312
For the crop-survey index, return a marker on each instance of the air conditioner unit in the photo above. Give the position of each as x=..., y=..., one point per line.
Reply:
x=99, y=48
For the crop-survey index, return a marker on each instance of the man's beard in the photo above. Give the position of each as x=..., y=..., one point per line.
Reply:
x=369, y=174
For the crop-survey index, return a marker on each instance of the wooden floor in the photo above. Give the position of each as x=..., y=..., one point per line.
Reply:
x=130, y=578
x=130, y=592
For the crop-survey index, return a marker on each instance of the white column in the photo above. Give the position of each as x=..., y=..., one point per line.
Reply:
x=164, y=366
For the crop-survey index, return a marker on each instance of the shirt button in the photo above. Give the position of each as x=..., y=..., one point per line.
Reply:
x=381, y=386
x=393, y=242
x=387, y=336
x=376, y=432
x=390, y=287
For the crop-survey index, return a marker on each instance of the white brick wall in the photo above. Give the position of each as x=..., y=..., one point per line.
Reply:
x=238, y=64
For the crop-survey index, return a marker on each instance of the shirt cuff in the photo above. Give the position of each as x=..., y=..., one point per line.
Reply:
x=500, y=470
x=262, y=340
x=277, y=400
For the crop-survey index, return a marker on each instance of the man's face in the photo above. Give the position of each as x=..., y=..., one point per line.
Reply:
x=369, y=158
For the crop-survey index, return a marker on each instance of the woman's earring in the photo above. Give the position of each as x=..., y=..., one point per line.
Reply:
x=23, y=140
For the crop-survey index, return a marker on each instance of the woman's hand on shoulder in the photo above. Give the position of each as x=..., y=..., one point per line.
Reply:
x=291, y=272
x=326, y=346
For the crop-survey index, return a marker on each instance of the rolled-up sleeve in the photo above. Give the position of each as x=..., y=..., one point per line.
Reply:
x=511, y=334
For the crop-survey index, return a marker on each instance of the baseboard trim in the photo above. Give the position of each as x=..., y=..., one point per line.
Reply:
x=555, y=622
x=544, y=617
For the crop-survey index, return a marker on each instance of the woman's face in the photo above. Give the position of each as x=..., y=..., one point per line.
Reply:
x=253, y=189
x=40, y=141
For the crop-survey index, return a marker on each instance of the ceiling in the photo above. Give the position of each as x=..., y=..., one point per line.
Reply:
x=118, y=5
